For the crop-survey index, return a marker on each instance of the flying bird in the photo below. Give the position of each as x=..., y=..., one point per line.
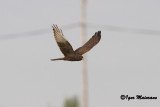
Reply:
x=66, y=48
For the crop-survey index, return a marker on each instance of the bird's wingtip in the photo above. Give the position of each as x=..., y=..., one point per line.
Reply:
x=54, y=26
x=99, y=31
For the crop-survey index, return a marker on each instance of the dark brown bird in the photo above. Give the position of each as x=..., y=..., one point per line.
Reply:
x=66, y=48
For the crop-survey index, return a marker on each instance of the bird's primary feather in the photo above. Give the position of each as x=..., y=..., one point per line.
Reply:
x=63, y=44
x=89, y=44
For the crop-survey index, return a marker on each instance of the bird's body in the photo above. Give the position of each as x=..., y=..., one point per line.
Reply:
x=66, y=48
x=72, y=57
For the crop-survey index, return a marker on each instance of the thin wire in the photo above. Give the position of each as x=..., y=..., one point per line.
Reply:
x=78, y=24
x=35, y=32
x=124, y=29
x=24, y=34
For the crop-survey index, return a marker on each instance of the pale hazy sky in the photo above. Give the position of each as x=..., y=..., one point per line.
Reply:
x=122, y=63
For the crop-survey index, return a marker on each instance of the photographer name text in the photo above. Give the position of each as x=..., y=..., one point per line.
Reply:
x=137, y=97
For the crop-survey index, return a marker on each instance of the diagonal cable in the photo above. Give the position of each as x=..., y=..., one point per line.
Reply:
x=75, y=25
x=35, y=32
x=124, y=29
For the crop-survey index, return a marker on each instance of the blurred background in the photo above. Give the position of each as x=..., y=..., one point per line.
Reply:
x=126, y=61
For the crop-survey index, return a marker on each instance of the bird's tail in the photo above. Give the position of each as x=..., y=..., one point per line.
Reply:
x=57, y=59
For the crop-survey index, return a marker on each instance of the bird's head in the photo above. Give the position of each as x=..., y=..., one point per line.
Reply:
x=80, y=57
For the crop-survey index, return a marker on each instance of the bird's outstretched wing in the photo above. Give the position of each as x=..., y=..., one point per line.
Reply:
x=63, y=44
x=90, y=44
